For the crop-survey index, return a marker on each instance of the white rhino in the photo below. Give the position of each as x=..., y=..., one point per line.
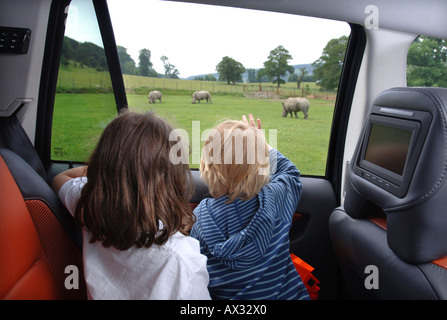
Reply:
x=154, y=95
x=201, y=95
x=295, y=105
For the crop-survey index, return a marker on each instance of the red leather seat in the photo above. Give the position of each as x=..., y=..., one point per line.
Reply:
x=39, y=258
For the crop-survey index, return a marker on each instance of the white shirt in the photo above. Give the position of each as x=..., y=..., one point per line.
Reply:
x=173, y=271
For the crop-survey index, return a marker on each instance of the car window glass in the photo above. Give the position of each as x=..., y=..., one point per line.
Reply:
x=238, y=56
x=427, y=62
x=84, y=101
x=251, y=65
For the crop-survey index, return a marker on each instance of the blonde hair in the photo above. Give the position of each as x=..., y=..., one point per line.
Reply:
x=235, y=161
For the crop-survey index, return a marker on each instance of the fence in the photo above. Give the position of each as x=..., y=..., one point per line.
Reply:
x=101, y=82
x=265, y=90
x=262, y=90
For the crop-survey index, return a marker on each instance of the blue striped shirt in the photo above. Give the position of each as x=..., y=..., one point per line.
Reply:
x=247, y=242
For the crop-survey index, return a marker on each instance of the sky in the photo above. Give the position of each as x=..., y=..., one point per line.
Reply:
x=195, y=38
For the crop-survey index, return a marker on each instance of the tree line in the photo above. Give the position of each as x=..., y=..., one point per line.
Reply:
x=145, y=66
x=426, y=64
x=276, y=68
x=91, y=55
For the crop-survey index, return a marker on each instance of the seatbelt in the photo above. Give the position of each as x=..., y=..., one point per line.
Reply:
x=14, y=138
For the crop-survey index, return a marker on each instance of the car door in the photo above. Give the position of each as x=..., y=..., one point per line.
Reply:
x=74, y=90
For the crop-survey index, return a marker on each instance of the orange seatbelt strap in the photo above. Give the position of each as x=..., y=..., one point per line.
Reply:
x=305, y=272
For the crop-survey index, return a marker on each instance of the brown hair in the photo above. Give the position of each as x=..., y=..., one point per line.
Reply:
x=132, y=185
x=235, y=161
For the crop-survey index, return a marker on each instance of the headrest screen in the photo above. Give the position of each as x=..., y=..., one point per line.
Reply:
x=388, y=147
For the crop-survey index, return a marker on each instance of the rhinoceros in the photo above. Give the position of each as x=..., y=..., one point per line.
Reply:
x=154, y=95
x=295, y=105
x=201, y=95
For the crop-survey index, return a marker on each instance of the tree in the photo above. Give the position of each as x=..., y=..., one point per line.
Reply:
x=145, y=64
x=210, y=77
x=68, y=48
x=300, y=77
x=427, y=62
x=277, y=65
x=85, y=53
x=170, y=70
x=126, y=62
x=230, y=70
x=328, y=67
x=261, y=76
x=91, y=55
x=251, y=75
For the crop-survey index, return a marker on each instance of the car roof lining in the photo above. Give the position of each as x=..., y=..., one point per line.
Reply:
x=399, y=15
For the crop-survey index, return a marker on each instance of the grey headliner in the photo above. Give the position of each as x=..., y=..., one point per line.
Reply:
x=425, y=17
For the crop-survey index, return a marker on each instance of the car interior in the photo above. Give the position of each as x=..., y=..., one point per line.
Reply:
x=373, y=226
x=400, y=235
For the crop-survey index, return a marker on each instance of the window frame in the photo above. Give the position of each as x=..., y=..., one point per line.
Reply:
x=50, y=70
x=345, y=94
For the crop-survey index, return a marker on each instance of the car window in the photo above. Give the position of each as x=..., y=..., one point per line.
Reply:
x=84, y=102
x=248, y=61
x=427, y=62
x=239, y=56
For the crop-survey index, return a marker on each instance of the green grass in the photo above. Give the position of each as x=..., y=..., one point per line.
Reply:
x=73, y=76
x=78, y=122
x=305, y=142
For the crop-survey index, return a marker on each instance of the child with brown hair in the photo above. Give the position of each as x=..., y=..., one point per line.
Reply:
x=133, y=206
x=244, y=228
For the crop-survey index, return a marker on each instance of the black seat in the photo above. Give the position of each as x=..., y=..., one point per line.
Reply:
x=390, y=234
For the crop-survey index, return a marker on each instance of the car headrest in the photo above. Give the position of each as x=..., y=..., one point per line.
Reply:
x=400, y=166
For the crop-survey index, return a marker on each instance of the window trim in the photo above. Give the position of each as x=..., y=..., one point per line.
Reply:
x=48, y=80
x=108, y=40
x=348, y=80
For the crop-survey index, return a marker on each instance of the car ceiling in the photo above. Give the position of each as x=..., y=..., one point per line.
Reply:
x=425, y=17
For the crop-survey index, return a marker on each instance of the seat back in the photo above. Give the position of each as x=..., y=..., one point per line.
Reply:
x=390, y=235
x=40, y=247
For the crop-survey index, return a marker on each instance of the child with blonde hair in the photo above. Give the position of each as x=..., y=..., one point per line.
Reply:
x=244, y=228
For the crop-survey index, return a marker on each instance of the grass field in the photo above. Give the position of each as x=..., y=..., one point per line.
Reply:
x=305, y=142
x=78, y=122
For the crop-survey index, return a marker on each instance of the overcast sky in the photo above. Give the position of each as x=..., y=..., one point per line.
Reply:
x=195, y=38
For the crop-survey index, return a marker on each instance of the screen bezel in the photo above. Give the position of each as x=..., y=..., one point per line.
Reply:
x=418, y=122
x=381, y=172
